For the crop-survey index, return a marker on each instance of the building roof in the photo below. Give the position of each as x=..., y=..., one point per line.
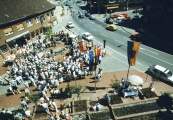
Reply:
x=13, y=10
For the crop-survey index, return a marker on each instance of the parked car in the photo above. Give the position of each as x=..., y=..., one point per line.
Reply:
x=126, y=18
x=87, y=36
x=136, y=11
x=161, y=73
x=136, y=16
x=125, y=14
x=87, y=14
x=70, y=25
x=109, y=20
x=81, y=15
x=120, y=17
x=78, y=1
x=111, y=27
x=114, y=16
x=92, y=17
x=70, y=6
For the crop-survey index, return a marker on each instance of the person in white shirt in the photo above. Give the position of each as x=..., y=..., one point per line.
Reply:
x=19, y=79
x=28, y=113
x=52, y=102
x=45, y=106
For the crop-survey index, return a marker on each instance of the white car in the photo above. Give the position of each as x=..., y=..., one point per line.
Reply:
x=70, y=25
x=87, y=36
x=120, y=17
x=161, y=73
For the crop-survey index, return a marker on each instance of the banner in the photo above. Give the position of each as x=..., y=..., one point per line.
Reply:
x=92, y=60
x=132, y=52
x=80, y=46
x=98, y=51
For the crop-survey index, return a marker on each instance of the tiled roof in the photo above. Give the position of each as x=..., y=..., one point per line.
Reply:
x=12, y=10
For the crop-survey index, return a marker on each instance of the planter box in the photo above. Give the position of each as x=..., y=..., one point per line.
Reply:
x=135, y=108
x=79, y=106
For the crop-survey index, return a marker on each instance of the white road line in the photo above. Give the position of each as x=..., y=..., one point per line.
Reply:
x=103, y=35
x=148, y=50
x=156, y=58
x=93, y=29
x=126, y=38
x=100, y=26
x=120, y=42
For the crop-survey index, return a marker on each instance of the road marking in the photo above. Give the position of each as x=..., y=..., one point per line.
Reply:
x=157, y=58
x=100, y=26
x=103, y=35
x=126, y=38
x=85, y=24
x=120, y=42
x=148, y=50
x=93, y=29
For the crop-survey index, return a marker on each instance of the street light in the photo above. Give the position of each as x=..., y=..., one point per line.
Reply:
x=98, y=5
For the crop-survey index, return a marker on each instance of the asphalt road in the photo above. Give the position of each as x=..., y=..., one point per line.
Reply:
x=116, y=44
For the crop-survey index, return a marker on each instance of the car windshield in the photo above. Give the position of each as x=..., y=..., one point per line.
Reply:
x=88, y=35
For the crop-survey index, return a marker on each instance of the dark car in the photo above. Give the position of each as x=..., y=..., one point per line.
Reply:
x=87, y=14
x=81, y=15
x=109, y=20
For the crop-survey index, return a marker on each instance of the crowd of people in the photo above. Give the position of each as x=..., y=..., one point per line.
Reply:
x=36, y=66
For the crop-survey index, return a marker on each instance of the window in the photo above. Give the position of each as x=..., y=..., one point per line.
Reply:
x=52, y=13
x=32, y=34
x=48, y=16
x=19, y=27
x=29, y=23
x=4, y=48
x=37, y=20
x=41, y=30
x=8, y=31
x=37, y=32
x=42, y=18
x=11, y=45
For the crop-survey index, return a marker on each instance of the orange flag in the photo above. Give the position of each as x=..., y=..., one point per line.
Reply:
x=133, y=48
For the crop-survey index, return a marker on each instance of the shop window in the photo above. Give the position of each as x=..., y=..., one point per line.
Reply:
x=32, y=34
x=42, y=18
x=4, y=48
x=41, y=30
x=37, y=20
x=37, y=32
x=52, y=13
x=29, y=23
x=20, y=27
x=11, y=45
x=27, y=37
x=8, y=31
x=48, y=16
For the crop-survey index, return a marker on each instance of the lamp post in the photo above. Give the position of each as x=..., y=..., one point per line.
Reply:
x=98, y=5
x=95, y=68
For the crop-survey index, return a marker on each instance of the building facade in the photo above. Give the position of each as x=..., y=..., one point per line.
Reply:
x=110, y=5
x=159, y=14
x=23, y=21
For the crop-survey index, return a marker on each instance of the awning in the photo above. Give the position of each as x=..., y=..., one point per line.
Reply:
x=17, y=36
x=112, y=7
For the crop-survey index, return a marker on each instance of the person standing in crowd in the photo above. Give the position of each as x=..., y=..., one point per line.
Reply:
x=23, y=104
